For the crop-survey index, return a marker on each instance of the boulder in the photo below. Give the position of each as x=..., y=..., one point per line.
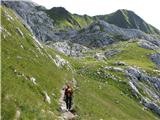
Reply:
x=111, y=53
x=148, y=45
x=120, y=63
x=33, y=80
x=47, y=98
x=156, y=58
x=17, y=115
x=19, y=32
x=116, y=69
x=99, y=56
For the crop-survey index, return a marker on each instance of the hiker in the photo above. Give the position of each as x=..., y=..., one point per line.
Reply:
x=68, y=96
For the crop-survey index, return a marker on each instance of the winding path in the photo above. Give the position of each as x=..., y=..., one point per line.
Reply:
x=66, y=115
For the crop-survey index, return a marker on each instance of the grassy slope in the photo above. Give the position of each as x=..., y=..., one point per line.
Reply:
x=63, y=19
x=134, y=55
x=91, y=102
x=21, y=94
x=97, y=93
x=130, y=53
x=97, y=97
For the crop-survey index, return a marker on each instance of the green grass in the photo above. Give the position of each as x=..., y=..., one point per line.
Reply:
x=130, y=53
x=128, y=19
x=95, y=99
x=17, y=92
x=93, y=103
x=135, y=56
x=90, y=107
x=63, y=19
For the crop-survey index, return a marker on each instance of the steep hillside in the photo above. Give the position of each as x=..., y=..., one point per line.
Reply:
x=36, y=19
x=29, y=73
x=128, y=19
x=48, y=25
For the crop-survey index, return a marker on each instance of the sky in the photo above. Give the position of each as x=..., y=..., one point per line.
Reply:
x=149, y=10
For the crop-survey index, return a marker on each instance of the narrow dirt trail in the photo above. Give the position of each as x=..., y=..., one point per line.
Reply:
x=66, y=115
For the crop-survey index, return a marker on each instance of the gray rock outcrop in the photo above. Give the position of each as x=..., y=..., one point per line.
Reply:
x=99, y=56
x=111, y=53
x=156, y=59
x=98, y=34
x=145, y=87
x=101, y=33
x=40, y=24
x=148, y=45
x=68, y=48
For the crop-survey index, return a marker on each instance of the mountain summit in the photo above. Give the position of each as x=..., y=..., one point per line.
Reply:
x=128, y=19
x=65, y=19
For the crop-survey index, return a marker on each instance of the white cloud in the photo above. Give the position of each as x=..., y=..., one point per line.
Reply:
x=147, y=9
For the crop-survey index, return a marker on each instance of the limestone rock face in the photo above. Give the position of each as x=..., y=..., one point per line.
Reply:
x=156, y=58
x=39, y=22
x=68, y=48
x=101, y=33
x=148, y=45
x=140, y=81
x=98, y=34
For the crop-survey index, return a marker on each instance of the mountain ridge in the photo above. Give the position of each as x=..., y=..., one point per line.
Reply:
x=122, y=18
x=116, y=67
x=128, y=19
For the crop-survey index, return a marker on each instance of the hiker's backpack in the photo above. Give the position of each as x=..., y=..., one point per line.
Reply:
x=68, y=92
